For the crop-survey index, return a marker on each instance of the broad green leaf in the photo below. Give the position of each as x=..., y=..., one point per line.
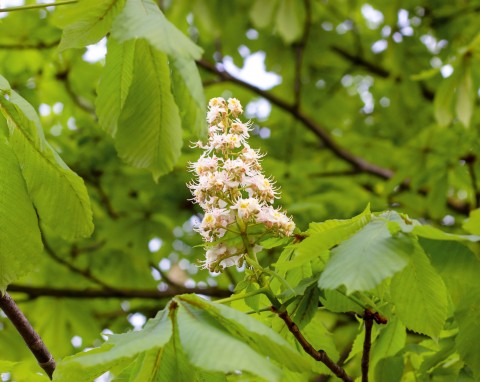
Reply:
x=389, y=369
x=389, y=342
x=58, y=194
x=253, y=333
x=210, y=346
x=467, y=316
x=142, y=19
x=290, y=20
x=368, y=257
x=457, y=265
x=188, y=92
x=149, y=131
x=420, y=296
x=305, y=307
x=465, y=96
x=87, y=22
x=119, y=348
x=472, y=224
x=114, y=84
x=442, y=103
x=20, y=240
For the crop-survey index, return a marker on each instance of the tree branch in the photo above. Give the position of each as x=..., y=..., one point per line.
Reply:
x=29, y=335
x=470, y=161
x=318, y=355
x=368, y=318
x=45, y=291
x=320, y=131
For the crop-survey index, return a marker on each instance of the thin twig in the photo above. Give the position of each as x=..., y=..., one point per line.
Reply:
x=470, y=161
x=318, y=355
x=368, y=318
x=44, y=291
x=29, y=335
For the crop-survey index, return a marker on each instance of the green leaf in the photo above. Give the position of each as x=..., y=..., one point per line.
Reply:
x=274, y=242
x=20, y=238
x=210, y=346
x=389, y=369
x=253, y=333
x=290, y=20
x=467, y=316
x=389, y=342
x=472, y=224
x=465, y=95
x=58, y=194
x=114, y=84
x=262, y=12
x=87, y=22
x=370, y=256
x=149, y=131
x=305, y=307
x=188, y=93
x=119, y=348
x=420, y=296
x=443, y=101
x=337, y=302
x=142, y=19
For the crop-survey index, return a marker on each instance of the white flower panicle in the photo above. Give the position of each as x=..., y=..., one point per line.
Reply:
x=231, y=188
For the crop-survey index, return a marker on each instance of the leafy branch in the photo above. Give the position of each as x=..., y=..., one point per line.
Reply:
x=318, y=355
x=28, y=333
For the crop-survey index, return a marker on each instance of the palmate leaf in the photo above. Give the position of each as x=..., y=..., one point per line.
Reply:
x=20, y=240
x=420, y=295
x=87, y=22
x=142, y=19
x=368, y=257
x=58, y=194
x=149, y=131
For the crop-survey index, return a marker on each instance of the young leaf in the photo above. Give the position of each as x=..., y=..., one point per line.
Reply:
x=87, y=22
x=142, y=19
x=58, y=194
x=149, y=131
x=368, y=257
x=114, y=84
x=420, y=296
x=20, y=238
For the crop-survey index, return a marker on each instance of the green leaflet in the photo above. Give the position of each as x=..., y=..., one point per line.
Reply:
x=389, y=342
x=290, y=20
x=87, y=22
x=20, y=240
x=149, y=131
x=142, y=19
x=188, y=92
x=472, y=224
x=58, y=194
x=467, y=316
x=253, y=333
x=117, y=350
x=262, y=12
x=420, y=295
x=466, y=94
x=368, y=257
x=114, y=84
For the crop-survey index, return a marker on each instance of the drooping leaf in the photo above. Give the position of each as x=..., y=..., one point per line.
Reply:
x=58, y=194
x=188, y=93
x=114, y=84
x=142, y=19
x=20, y=240
x=149, y=133
x=253, y=333
x=87, y=21
x=420, y=295
x=368, y=257
x=119, y=349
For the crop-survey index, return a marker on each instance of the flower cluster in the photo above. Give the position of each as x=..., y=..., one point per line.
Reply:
x=232, y=190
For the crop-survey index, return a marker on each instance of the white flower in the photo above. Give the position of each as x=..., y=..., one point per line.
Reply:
x=246, y=208
x=235, y=107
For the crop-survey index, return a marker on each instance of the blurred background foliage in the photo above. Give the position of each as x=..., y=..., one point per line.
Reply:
x=353, y=101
